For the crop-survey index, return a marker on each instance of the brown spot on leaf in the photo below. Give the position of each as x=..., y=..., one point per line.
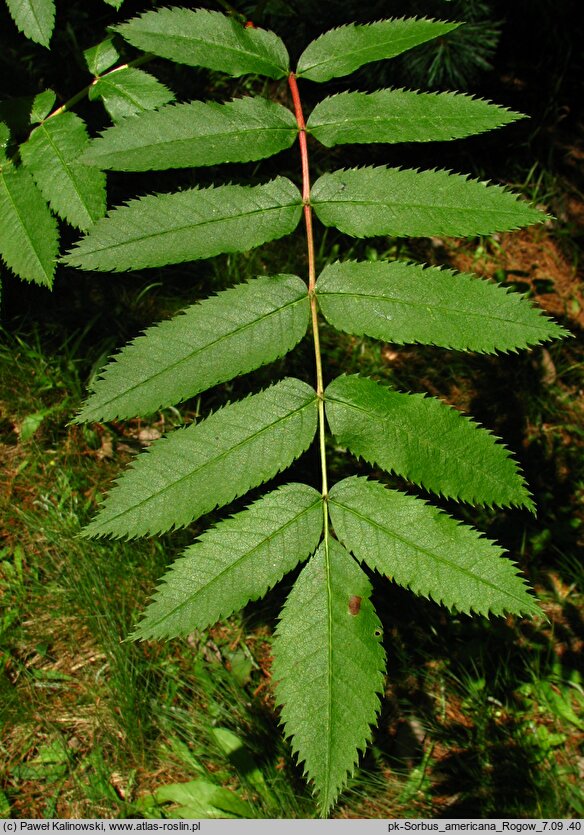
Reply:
x=354, y=605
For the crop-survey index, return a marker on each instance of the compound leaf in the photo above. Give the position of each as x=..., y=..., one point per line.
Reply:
x=425, y=441
x=342, y=51
x=34, y=18
x=403, y=116
x=426, y=550
x=207, y=465
x=328, y=665
x=193, y=134
x=197, y=223
x=393, y=201
x=224, y=336
x=51, y=153
x=29, y=238
x=405, y=303
x=237, y=561
x=127, y=91
x=208, y=39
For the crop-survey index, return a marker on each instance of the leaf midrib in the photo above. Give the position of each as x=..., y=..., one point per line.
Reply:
x=194, y=138
x=160, y=234
x=399, y=205
x=247, y=555
x=432, y=305
x=209, y=462
x=205, y=347
x=431, y=555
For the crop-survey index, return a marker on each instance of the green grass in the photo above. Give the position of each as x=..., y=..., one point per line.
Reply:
x=481, y=718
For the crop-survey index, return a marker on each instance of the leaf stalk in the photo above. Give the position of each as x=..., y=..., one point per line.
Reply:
x=311, y=285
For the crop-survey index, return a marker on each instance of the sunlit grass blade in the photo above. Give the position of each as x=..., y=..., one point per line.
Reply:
x=194, y=134
x=169, y=228
x=425, y=441
x=427, y=551
x=211, y=342
x=328, y=665
x=193, y=470
x=236, y=561
x=403, y=116
x=407, y=303
x=202, y=38
x=342, y=51
x=401, y=202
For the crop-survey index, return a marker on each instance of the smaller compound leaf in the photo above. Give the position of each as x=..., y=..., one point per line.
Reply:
x=102, y=56
x=207, y=465
x=203, y=38
x=403, y=116
x=407, y=303
x=425, y=441
x=224, y=336
x=29, y=237
x=34, y=18
x=117, y=4
x=402, y=202
x=236, y=561
x=127, y=91
x=193, y=134
x=342, y=51
x=329, y=665
x=51, y=153
x=426, y=550
x=163, y=229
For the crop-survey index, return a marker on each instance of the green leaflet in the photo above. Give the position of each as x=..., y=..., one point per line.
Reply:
x=188, y=135
x=403, y=116
x=169, y=228
x=207, y=465
x=405, y=303
x=42, y=105
x=127, y=91
x=102, y=56
x=328, y=665
x=393, y=201
x=35, y=18
x=29, y=237
x=207, y=39
x=425, y=441
x=238, y=560
x=342, y=51
x=426, y=550
x=51, y=153
x=211, y=342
